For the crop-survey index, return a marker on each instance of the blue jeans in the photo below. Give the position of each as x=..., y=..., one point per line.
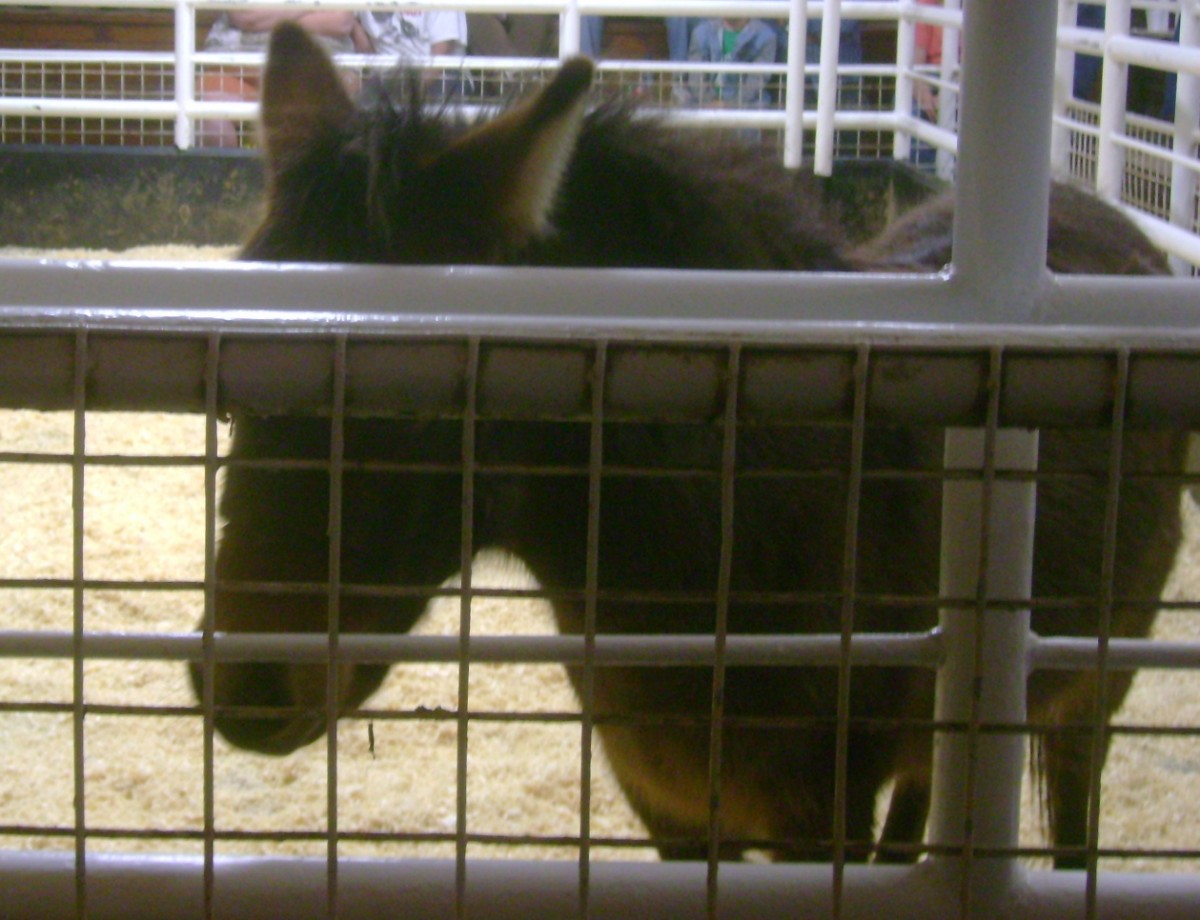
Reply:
x=591, y=35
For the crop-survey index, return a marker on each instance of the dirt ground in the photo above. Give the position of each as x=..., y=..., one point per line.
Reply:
x=143, y=768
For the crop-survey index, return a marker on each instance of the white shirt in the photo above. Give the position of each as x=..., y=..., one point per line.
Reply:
x=413, y=34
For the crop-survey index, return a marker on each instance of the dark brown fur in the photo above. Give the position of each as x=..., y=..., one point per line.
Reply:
x=1086, y=237
x=546, y=185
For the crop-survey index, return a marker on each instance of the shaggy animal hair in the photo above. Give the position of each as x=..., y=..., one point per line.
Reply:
x=548, y=183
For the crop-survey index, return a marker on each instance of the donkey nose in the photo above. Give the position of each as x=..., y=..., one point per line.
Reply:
x=243, y=691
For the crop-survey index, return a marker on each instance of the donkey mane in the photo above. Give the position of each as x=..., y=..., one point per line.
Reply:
x=542, y=182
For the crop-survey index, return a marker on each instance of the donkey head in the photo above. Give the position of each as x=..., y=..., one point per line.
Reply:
x=404, y=185
x=401, y=183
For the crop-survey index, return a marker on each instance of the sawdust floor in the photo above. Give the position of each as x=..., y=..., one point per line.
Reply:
x=142, y=770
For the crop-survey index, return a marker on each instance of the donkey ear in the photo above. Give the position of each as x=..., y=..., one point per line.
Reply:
x=303, y=97
x=518, y=160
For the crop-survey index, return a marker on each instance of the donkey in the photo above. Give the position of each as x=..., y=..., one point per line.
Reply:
x=550, y=183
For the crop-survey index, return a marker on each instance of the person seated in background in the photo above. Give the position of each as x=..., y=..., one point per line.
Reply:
x=679, y=33
x=591, y=36
x=414, y=36
x=507, y=35
x=927, y=53
x=250, y=30
x=850, y=51
x=729, y=40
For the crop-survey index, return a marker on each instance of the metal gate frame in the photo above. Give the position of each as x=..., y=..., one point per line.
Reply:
x=996, y=296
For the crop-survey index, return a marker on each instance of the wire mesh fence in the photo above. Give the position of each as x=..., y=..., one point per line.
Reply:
x=486, y=749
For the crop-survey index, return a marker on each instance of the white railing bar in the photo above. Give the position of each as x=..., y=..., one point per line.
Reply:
x=42, y=884
x=448, y=62
x=1059, y=653
x=480, y=62
x=1147, y=52
x=999, y=240
x=1157, y=55
x=1110, y=159
x=797, y=41
x=944, y=16
x=852, y=9
x=698, y=118
x=772, y=119
x=1165, y=154
x=185, y=73
x=51, y=56
x=1127, y=49
x=769, y=9
x=1175, y=241
x=1081, y=39
x=929, y=133
x=976, y=779
x=1131, y=119
x=93, y=108
x=1078, y=127
x=245, y=296
x=1186, y=131
x=788, y=650
x=827, y=86
x=934, y=79
x=903, y=96
x=913, y=649
x=108, y=4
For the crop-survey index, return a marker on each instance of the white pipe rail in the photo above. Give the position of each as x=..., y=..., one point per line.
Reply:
x=1119, y=51
x=1114, y=44
x=1185, y=176
x=171, y=889
x=790, y=650
x=827, y=87
x=793, y=139
x=997, y=282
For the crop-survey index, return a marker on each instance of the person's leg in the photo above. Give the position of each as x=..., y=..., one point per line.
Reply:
x=534, y=36
x=679, y=31
x=487, y=37
x=220, y=87
x=591, y=35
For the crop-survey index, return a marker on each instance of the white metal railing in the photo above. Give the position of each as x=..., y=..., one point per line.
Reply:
x=187, y=61
x=1109, y=127
x=990, y=289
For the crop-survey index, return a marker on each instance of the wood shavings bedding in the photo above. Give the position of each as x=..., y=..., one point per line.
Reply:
x=136, y=253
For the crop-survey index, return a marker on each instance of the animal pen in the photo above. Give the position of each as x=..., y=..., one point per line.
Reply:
x=444, y=795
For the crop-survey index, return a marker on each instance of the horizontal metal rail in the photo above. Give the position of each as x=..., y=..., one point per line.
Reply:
x=610, y=650
x=42, y=884
x=879, y=650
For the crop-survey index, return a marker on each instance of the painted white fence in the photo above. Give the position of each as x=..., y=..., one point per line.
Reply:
x=1148, y=163
x=996, y=299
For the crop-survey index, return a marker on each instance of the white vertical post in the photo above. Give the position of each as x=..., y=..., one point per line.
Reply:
x=568, y=30
x=793, y=130
x=1187, y=116
x=905, y=36
x=1004, y=156
x=1110, y=157
x=948, y=102
x=987, y=553
x=987, y=539
x=185, y=72
x=1064, y=83
x=827, y=87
